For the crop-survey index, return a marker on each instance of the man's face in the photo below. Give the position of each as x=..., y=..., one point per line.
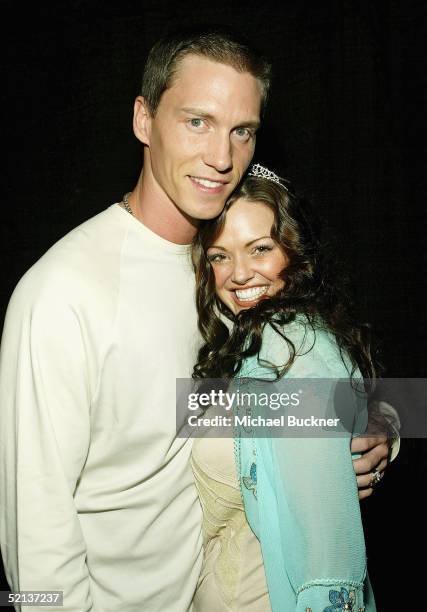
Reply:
x=202, y=137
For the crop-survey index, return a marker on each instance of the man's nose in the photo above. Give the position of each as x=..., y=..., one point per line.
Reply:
x=242, y=272
x=219, y=154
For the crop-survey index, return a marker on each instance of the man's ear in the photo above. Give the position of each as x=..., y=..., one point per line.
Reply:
x=142, y=120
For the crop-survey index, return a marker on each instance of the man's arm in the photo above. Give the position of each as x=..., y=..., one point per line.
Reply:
x=44, y=440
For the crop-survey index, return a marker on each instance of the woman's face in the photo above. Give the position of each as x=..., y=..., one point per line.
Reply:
x=245, y=259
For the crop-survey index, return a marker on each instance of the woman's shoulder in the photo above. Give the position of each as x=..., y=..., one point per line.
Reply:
x=316, y=349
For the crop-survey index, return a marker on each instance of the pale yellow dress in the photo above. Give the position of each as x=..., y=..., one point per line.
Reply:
x=232, y=576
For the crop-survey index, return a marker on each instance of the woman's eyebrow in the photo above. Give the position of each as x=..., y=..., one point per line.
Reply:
x=255, y=240
x=217, y=246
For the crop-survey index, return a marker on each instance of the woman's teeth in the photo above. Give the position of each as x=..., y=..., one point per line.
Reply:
x=248, y=295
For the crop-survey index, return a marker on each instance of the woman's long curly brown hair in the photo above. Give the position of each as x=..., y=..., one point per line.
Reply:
x=313, y=287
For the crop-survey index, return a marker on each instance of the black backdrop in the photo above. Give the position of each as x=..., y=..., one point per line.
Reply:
x=344, y=124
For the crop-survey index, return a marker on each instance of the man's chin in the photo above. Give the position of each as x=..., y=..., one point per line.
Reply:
x=205, y=213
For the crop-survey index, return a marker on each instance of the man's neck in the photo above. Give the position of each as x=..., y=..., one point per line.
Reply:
x=157, y=212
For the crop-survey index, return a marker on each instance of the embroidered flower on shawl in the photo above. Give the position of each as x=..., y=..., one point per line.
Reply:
x=250, y=481
x=341, y=600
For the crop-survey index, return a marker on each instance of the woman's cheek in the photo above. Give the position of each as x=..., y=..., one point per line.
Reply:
x=221, y=275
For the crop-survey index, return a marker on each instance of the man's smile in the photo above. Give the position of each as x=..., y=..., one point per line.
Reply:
x=208, y=185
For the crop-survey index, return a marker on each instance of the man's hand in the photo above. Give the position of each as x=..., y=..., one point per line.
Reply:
x=375, y=445
x=375, y=457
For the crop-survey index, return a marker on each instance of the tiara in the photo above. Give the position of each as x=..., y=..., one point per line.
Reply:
x=260, y=172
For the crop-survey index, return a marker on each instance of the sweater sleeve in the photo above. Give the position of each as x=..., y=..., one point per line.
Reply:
x=317, y=510
x=44, y=440
x=390, y=414
x=320, y=524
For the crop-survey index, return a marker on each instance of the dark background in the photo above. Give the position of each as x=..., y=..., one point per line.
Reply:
x=345, y=125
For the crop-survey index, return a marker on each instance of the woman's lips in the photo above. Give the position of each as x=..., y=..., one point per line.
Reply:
x=250, y=296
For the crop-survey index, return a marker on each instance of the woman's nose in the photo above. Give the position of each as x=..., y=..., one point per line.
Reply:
x=242, y=272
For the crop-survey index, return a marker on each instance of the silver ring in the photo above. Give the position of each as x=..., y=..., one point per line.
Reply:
x=376, y=478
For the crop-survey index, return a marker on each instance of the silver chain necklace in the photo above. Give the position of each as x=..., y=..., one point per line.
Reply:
x=126, y=204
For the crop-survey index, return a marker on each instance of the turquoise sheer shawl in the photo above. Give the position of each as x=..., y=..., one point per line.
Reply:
x=300, y=494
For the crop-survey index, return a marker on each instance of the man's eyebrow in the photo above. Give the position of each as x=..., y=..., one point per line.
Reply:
x=254, y=125
x=197, y=111
x=192, y=110
x=221, y=248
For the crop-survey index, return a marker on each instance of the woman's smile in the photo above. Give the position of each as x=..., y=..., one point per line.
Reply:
x=246, y=261
x=251, y=296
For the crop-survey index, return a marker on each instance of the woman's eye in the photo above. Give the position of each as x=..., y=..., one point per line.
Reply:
x=262, y=248
x=216, y=258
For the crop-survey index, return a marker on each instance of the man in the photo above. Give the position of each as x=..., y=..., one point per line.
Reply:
x=98, y=500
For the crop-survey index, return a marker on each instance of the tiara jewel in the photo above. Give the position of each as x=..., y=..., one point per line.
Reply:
x=260, y=172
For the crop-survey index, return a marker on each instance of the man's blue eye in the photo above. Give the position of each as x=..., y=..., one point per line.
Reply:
x=196, y=122
x=243, y=132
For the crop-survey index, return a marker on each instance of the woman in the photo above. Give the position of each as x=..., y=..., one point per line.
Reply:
x=282, y=527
